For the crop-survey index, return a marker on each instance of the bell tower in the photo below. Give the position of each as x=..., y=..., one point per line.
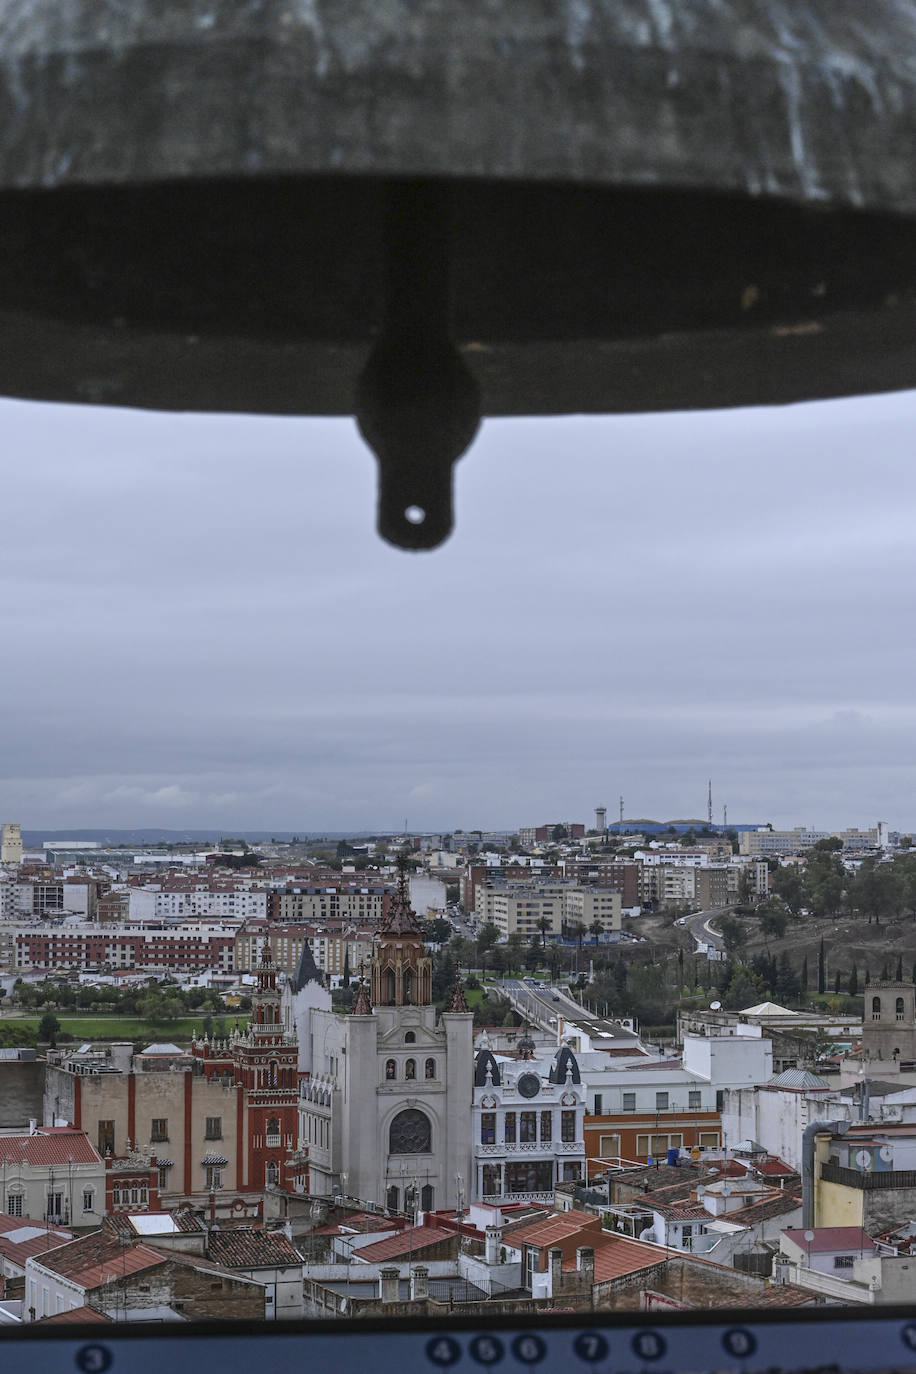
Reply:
x=266, y=1023
x=402, y=973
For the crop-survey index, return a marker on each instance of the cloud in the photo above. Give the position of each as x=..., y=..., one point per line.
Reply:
x=208, y=627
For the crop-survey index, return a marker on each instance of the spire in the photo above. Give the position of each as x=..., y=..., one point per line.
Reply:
x=459, y=1002
x=307, y=971
x=401, y=918
x=362, y=1006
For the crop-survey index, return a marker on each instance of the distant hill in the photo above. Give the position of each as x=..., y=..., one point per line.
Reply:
x=34, y=839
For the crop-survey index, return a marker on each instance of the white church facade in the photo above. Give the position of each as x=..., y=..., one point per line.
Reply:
x=385, y=1091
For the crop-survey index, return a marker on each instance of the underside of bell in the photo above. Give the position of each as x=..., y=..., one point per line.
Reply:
x=423, y=214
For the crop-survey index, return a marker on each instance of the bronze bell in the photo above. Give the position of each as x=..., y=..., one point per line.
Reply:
x=430, y=210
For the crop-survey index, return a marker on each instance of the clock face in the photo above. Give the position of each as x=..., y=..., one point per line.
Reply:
x=529, y=1085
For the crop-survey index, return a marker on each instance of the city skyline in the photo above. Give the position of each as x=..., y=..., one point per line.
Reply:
x=203, y=628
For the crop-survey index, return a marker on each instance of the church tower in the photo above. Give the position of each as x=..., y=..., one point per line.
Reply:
x=262, y=1063
x=402, y=972
x=385, y=1110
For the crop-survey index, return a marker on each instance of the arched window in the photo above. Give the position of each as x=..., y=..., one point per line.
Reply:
x=876, y=1008
x=408, y=985
x=271, y=1173
x=898, y=1008
x=392, y=988
x=410, y=1069
x=391, y=1069
x=426, y=1198
x=410, y=1133
x=430, y=1070
x=272, y=1073
x=410, y=1038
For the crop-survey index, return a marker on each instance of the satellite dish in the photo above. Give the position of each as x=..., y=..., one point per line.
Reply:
x=715, y=1006
x=809, y=1236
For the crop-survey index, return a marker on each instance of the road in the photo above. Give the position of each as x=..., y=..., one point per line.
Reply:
x=700, y=929
x=542, y=1005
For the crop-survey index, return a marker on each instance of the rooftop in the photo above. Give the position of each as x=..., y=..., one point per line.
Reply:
x=49, y=1145
x=829, y=1238
x=241, y=1248
x=409, y=1242
x=549, y=1230
x=21, y=1238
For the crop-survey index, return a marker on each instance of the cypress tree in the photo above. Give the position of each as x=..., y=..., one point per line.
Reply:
x=821, y=967
x=899, y=974
x=804, y=974
x=867, y=975
x=854, y=981
x=837, y=982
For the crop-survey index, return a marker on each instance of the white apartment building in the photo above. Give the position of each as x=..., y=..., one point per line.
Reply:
x=50, y=897
x=521, y=909
x=765, y=841
x=696, y=1082
x=151, y=904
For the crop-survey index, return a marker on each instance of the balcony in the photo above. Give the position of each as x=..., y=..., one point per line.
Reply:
x=544, y=1148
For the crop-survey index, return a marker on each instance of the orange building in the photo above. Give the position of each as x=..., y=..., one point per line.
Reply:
x=635, y=1137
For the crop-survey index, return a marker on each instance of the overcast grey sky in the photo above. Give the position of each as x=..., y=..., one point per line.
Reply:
x=200, y=625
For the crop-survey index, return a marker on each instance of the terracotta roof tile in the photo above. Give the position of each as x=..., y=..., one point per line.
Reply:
x=29, y=1238
x=409, y=1242
x=92, y=1259
x=621, y=1256
x=558, y=1226
x=49, y=1145
x=244, y=1249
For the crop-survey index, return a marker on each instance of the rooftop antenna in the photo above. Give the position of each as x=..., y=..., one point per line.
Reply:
x=709, y=802
x=724, y=817
x=621, y=813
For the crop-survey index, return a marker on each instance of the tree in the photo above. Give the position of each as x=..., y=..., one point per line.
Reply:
x=854, y=981
x=578, y=929
x=514, y=951
x=733, y=934
x=788, y=885
x=596, y=929
x=825, y=877
x=786, y=981
x=558, y=833
x=743, y=989
x=773, y=922
x=48, y=1028
x=821, y=967
x=804, y=975
x=899, y=971
x=837, y=982
x=543, y=924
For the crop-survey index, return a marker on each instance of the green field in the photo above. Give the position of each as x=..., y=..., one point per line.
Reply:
x=125, y=1027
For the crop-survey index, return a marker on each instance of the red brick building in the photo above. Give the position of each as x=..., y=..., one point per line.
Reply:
x=262, y=1063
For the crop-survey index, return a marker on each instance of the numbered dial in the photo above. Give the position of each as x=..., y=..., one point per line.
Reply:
x=529, y=1085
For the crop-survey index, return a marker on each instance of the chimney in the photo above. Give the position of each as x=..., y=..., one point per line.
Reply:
x=494, y=1235
x=585, y=1263
x=555, y=1264
x=419, y=1283
x=33, y=1125
x=389, y=1287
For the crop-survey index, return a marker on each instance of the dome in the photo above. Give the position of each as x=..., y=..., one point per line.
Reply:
x=485, y=1060
x=564, y=1059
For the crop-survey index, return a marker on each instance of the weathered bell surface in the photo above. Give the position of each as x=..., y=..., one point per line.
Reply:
x=433, y=210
